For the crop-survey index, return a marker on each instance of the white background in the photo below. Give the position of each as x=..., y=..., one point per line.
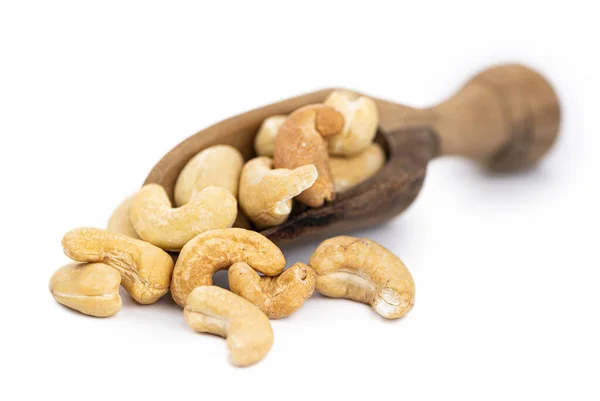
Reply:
x=506, y=267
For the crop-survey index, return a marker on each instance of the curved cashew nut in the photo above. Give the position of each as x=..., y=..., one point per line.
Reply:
x=120, y=222
x=217, y=250
x=264, y=141
x=212, y=309
x=217, y=166
x=90, y=288
x=361, y=121
x=145, y=269
x=300, y=142
x=266, y=194
x=350, y=171
x=157, y=222
x=278, y=296
x=364, y=271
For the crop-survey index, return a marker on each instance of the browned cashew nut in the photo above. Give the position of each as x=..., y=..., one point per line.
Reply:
x=300, y=142
x=266, y=194
x=364, y=271
x=145, y=269
x=217, y=250
x=215, y=310
x=278, y=296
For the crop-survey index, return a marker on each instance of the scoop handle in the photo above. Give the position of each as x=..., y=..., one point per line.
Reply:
x=506, y=117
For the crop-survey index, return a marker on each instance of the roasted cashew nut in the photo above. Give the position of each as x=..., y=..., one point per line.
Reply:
x=217, y=250
x=350, y=171
x=266, y=194
x=145, y=269
x=212, y=309
x=217, y=166
x=157, y=222
x=90, y=288
x=278, y=296
x=300, y=141
x=364, y=271
x=360, y=122
x=120, y=222
x=264, y=141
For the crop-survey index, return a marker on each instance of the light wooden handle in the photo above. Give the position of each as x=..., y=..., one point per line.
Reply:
x=506, y=117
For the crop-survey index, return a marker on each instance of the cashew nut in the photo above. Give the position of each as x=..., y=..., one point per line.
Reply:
x=211, y=309
x=264, y=141
x=350, y=171
x=300, y=142
x=364, y=271
x=278, y=296
x=217, y=250
x=217, y=166
x=145, y=269
x=266, y=194
x=157, y=222
x=241, y=221
x=360, y=122
x=90, y=288
x=119, y=222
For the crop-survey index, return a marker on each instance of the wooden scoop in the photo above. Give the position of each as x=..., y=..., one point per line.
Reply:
x=505, y=118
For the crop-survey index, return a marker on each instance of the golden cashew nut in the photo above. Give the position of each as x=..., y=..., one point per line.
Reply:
x=264, y=141
x=145, y=269
x=278, y=296
x=360, y=122
x=217, y=250
x=350, y=171
x=212, y=309
x=217, y=166
x=169, y=228
x=90, y=288
x=266, y=194
x=120, y=222
x=364, y=271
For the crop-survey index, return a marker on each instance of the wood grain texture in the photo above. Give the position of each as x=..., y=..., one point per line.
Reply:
x=505, y=118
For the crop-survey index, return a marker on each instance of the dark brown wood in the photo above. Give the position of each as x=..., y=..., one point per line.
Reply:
x=505, y=118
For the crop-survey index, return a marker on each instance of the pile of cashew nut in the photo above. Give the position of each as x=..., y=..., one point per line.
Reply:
x=150, y=247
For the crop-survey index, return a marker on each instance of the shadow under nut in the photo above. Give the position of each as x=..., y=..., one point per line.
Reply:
x=217, y=250
x=362, y=270
x=212, y=309
x=278, y=296
x=144, y=268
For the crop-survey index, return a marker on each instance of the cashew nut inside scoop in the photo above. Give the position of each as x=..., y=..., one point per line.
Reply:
x=364, y=271
x=360, y=122
x=216, y=250
x=300, y=141
x=350, y=171
x=264, y=141
x=266, y=194
x=216, y=166
x=278, y=296
x=170, y=228
x=212, y=309
x=145, y=269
